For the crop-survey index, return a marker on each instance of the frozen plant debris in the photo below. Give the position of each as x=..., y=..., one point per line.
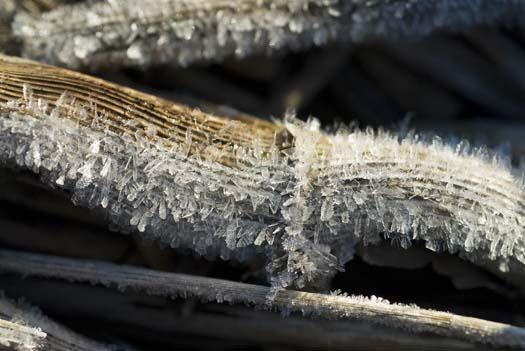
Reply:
x=335, y=306
x=299, y=196
x=25, y=328
x=8, y=10
x=145, y=32
x=17, y=336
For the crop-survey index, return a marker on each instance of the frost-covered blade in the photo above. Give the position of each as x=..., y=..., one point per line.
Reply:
x=16, y=336
x=25, y=328
x=299, y=196
x=8, y=10
x=145, y=32
x=334, y=306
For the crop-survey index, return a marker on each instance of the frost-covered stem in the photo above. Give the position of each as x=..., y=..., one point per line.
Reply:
x=144, y=32
x=17, y=336
x=57, y=337
x=8, y=10
x=374, y=310
x=234, y=323
x=300, y=196
x=121, y=109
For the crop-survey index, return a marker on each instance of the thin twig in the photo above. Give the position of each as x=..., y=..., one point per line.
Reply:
x=374, y=310
x=234, y=323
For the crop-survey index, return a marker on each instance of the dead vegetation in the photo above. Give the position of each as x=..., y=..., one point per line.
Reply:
x=254, y=214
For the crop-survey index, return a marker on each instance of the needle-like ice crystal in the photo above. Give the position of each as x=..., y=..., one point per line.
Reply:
x=305, y=207
x=145, y=32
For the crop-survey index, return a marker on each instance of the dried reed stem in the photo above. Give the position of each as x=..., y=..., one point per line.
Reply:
x=242, y=188
x=16, y=336
x=145, y=32
x=40, y=332
x=374, y=310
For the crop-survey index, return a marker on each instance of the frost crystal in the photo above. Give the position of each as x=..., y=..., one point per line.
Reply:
x=7, y=12
x=144, y=32
x=35, y=331
x=305, y=207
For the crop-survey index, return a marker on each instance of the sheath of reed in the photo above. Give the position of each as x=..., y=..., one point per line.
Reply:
x=144, y=32
x=289, y=192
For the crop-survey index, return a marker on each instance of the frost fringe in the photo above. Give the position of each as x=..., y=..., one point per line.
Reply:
x=304, y=207
x=145, y=32
x=17, y=336
x=35, y=331
x=371, y=310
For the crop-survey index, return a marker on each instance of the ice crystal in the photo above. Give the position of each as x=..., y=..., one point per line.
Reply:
x=28, y=336
x=144, y=32
x=305, y=209
x=45, y=333
x=333, y=306
x=15, y=335
x=20, y=339
x=7, y=11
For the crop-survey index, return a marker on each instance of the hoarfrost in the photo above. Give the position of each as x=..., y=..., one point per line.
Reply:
x=37, y=332
x=305, y=209
x=335, y=306
x=145, y=32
